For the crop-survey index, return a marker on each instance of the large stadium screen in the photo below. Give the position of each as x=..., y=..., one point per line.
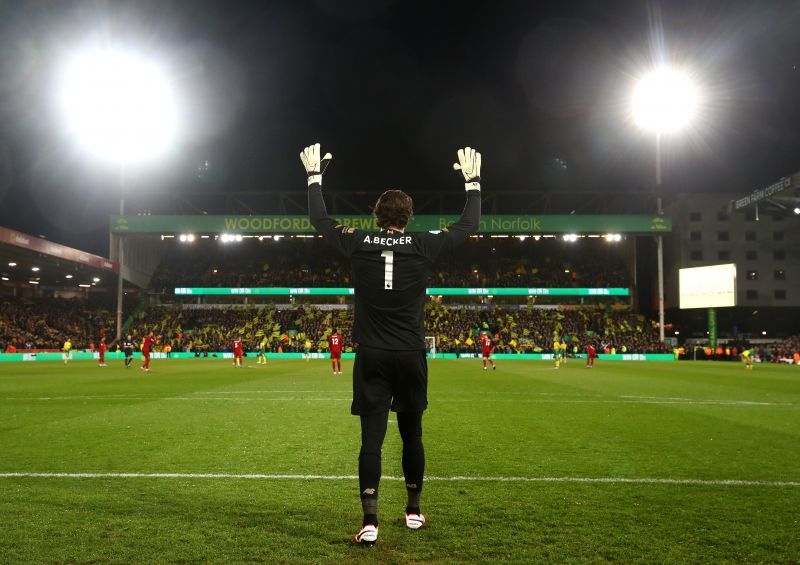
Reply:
x=708, y=287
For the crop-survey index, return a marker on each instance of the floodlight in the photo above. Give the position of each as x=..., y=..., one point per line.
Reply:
x=570, y=237
x=35, y=269
x=96, y=279
x=4, y=278
x=12, y=264
x=189, y=237
x=118, y=105
x=664, y=100
x=68, y=277
x=796, y=211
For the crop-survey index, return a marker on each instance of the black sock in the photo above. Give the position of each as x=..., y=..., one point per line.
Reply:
x=410, y=425
x=370, y=519
x=373, y=430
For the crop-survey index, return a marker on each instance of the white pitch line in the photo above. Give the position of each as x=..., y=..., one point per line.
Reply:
x=602, y=480
x=265, y=391
x=622, y=400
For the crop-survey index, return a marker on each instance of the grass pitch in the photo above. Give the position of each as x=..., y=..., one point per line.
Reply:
x=678, y=431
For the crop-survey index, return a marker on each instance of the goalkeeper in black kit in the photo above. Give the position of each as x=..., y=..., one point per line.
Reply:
x=390, y=271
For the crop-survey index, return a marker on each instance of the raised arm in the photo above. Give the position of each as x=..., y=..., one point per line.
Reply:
x=469, y=163
x=342, y=238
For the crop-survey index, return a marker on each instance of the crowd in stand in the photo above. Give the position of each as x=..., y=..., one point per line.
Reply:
x=786, y=349
x=47, y=323
x=308, y=262
x=534, y=330
x=285, y=330
x=456, y=329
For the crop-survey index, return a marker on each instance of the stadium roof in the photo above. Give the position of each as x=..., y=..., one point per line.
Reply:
x=26, y=259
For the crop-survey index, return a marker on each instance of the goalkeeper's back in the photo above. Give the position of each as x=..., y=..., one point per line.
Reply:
x=391, y=269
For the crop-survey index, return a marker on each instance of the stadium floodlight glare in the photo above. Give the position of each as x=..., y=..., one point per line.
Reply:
x=12, y=264
x=5, y=278
x=186, y=237
x=764, y=333
x=570, y=237
x=664, y=100
x=611, y=237
x=118, y=105
x=35, y=269
x=96, y=279
x=68, y=277
x=797, y=210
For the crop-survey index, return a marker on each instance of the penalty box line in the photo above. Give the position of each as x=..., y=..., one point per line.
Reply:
x=601, y=480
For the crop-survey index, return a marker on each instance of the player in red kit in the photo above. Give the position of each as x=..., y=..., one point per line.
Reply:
x=591, y=355
x=488, y=348
x=147, y=345
x=101, y=350
x=335, y=342
x=238, y=352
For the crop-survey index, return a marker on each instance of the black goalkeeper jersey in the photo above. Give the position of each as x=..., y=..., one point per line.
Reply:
x=390, y=271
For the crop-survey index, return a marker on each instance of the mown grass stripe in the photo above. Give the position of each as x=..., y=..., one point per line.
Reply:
x=266, y=476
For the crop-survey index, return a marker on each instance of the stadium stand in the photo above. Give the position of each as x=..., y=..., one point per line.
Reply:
x=306, y=262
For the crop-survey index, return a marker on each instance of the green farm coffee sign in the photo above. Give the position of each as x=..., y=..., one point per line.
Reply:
x=500, y=224
x=297, y=291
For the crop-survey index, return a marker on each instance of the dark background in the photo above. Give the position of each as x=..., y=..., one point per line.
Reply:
x=392, y=89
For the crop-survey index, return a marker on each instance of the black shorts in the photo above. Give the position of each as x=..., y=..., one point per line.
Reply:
x=384, y=379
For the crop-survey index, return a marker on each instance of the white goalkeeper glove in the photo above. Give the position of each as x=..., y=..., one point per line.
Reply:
x=469, y=163
x=313, y=164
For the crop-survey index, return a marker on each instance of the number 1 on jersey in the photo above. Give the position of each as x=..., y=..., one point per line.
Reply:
x=388, y=270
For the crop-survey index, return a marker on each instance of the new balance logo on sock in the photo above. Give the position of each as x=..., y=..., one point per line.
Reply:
x=411, y=485
x=369, y=491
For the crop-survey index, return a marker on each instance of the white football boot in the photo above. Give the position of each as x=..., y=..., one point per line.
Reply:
x=368, y=535
x=415, y=521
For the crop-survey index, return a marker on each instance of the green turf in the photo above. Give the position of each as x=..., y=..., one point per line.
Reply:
x=619, y=420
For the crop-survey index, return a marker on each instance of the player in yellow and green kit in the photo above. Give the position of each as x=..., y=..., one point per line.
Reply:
x=262, y=351
x=67, y=351
x=748, y=357
x=563, y=352
x=557, y=355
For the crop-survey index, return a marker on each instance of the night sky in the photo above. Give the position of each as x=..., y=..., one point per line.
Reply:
x=392, y=89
